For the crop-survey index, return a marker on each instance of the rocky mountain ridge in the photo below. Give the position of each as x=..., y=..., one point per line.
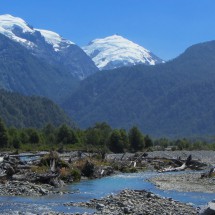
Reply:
x=48, y=46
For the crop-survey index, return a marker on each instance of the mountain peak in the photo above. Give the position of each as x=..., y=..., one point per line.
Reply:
x=112, y=37
x=116, y=51
x=14, y=27
x=8, y=22
x=55, y=39
x=48, y=46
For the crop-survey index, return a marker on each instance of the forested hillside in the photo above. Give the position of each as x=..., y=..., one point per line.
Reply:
x=20, y=71
x=23, y=111
x=172, y=99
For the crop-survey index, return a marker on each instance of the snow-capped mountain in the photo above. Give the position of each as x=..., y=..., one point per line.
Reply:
x=48, y=45
x=116, y=51
x=55, y=40
x=10, y=26
x=17, y=29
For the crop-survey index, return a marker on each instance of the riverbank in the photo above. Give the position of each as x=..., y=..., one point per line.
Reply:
x=40, y=176
x=136, y=202
x=88, y=190
x=184, y=182
x=18, y=188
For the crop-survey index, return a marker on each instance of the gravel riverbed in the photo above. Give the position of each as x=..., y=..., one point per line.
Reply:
x=25, y=188
x=204, y=156
x=185, y=182
x=136, y=202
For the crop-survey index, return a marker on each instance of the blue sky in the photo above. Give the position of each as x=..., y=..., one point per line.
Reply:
x=166, y=27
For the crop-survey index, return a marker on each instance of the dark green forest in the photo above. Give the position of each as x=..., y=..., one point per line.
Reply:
x=98, y=138
x=30, y=111
x=174, y=99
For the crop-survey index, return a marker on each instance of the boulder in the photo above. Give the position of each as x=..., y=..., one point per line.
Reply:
x=88, y=169
x=9, y=169
x=209, y=209
x=100, y=206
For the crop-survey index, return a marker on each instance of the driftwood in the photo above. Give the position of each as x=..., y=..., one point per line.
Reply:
x=144, y=154
x=52, y=165
x=180, y=168
x=46, y=177
x=123, y=156
x=208, y=174
x=23, y=166
x=137, y=159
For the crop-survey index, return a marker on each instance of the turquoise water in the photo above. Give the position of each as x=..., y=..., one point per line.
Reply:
x=86, y=190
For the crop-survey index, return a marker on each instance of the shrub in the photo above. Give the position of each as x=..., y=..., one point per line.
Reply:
x=76, y=174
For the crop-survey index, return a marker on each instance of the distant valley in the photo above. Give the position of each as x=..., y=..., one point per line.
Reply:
x=111, y=79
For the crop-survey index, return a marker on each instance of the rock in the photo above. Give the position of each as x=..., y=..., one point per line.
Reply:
x=100, y=206
x=9, y=169
x=88, y=169
x=209, y=209
x=126, y=210
x=19, y=177
x=20, y=188
x=56, y=182
x=42, y=191
x=137, y=202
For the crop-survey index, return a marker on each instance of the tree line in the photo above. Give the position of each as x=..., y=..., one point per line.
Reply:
x=100, y=137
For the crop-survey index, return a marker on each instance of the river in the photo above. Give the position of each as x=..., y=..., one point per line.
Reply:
x=97, y=188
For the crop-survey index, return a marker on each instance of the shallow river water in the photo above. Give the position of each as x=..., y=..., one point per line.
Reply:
x=97, y=188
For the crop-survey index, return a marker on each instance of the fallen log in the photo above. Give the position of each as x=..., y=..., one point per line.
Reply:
x=209, y=174
x=122, y=156
x=180, y=168
x=45, y=178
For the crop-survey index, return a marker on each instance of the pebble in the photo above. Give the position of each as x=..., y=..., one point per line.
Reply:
x=140, y=204
x=17, y=188
x=185, y=182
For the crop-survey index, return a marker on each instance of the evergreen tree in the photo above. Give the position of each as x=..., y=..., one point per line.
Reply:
x=116, y=142
x=93, y=137
x=148, y=141
x=124, y=137
x=13, y=137
x=34, y=136
x=136, y=139
x=49, y=134
x=99, y=134
x=3, y=134
x=66, y=135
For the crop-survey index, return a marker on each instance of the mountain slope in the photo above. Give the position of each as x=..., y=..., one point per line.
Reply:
x=22, y=72
x=49, y=46
x=115, y=51
x=173, y=99
x=22, y=111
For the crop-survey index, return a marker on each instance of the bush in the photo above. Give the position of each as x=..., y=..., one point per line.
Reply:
x=88, y=169
x=70, y=175
x=46, y=160
x=129, y=169
x=76, y=174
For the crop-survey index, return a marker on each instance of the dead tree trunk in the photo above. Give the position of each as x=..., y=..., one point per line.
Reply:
x=180, y=168
x=208, y=174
